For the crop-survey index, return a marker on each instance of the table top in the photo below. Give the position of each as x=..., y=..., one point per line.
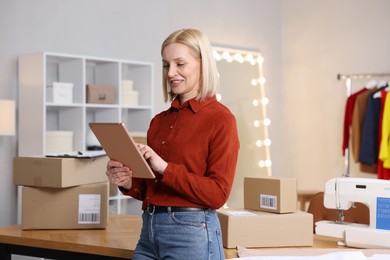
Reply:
x=117, y=240
x=120, y=238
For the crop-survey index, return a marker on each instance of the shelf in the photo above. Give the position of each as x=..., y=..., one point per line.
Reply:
x=38, y=113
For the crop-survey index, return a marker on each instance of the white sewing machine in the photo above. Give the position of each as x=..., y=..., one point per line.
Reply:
x=340, y=194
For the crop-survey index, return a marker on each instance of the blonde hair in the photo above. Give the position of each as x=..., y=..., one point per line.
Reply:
x=200, y=46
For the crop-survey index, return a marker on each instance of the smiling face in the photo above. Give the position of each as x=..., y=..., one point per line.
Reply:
x=182, y=71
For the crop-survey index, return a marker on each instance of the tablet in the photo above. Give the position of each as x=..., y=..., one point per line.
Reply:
x=120, y=146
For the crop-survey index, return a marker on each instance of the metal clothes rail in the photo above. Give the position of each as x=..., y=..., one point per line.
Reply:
x=362, y=75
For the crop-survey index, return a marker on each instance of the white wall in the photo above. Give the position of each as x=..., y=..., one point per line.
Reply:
x=319, y=40
x=127, y=29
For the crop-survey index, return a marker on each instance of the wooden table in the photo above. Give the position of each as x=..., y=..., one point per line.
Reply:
x=117, y=241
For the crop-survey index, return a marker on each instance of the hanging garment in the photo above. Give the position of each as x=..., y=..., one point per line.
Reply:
x=348, y=117
x=357, y=129
x=383, y=173
x=369, y=146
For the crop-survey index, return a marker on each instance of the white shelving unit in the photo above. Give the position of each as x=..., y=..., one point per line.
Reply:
x=37, y=114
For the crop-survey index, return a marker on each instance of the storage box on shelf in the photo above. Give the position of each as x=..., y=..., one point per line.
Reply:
x=129, y=95
x=60, y=93
x=100, y=94
x=37, y=71
x=59, y=141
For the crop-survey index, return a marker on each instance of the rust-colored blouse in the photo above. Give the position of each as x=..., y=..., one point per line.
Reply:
x=199, y=141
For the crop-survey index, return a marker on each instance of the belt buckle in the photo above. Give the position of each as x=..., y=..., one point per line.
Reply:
x=151, y=209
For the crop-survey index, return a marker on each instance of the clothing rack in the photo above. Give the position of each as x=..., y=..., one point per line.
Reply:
x=362, y=75
x=348, y=84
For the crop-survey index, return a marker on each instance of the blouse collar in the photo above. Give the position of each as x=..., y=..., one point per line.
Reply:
x=193, y=104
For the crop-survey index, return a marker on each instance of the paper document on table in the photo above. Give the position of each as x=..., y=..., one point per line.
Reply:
x=78, y=154
x=356, y=255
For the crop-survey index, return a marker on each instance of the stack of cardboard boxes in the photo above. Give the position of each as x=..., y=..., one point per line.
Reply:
x=63, y=193
x=269, y=218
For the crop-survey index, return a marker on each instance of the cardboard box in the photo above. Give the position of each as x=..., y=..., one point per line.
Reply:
x=59, y=172
x=80, y=207
x=100, y=94
x=271, y=194
x=250, y=228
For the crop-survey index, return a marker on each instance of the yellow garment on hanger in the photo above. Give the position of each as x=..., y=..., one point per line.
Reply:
x=384, y=148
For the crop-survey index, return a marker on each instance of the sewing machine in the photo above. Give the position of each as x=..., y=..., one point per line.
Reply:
x=340, y=194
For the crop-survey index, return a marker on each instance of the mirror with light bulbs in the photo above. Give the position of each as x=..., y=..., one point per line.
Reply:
x=242, y=90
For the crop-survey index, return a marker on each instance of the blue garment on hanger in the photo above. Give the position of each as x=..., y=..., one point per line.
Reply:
x=369, y=146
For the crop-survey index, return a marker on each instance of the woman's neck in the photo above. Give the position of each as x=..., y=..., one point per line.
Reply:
x=184, y=98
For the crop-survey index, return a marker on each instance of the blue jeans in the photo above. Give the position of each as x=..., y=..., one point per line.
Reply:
x=180, y=235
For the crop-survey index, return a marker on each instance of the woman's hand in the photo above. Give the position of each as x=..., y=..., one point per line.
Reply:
x=155, y=161
x=119, y=175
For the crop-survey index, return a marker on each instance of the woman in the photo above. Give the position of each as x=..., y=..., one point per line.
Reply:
x=193, y=149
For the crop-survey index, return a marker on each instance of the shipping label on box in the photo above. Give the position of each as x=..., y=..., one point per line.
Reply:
x=57, y=172
x=249, y=228
x=89, y=208
x=79, y=207
x=271, y=194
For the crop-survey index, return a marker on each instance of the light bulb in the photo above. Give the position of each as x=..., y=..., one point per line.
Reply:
x=267, y=142
x=267, y=163
x=227, y=57
x=238, y=57
x=254, y=82
x=258, y=143
x=249, y=58
x=260, y=59
x=262, y=80
x=267, y=121
x=217, y=56
x=264, y=101
x=261, y=163
x=256, y=123
x=255, y=102
x=219, y=97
